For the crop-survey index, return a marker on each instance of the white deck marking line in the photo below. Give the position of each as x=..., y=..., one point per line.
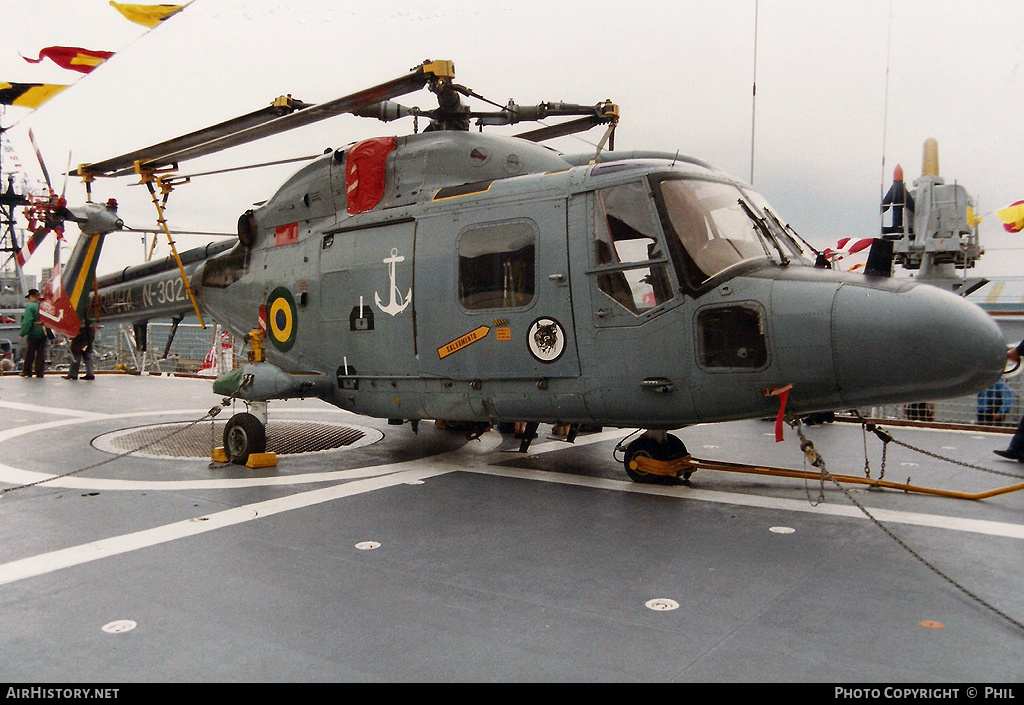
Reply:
x=59, y=411
x=471, y=461
x=976, y=526
x=17, y=477
x=80, y=417
x=94, y=550
x=400, y=473
x=552, y=444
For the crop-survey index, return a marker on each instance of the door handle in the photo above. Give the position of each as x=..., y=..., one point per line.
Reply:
x=660, y=385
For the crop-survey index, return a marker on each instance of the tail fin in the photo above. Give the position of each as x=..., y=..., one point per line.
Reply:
x=66, y=294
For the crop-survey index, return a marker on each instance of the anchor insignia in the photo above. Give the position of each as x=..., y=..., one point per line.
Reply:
x=398, y=303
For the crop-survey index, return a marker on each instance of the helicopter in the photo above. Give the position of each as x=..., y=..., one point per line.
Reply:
x=481, y=279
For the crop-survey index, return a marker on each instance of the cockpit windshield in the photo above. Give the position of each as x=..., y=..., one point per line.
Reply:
x=719, y=227
x=787, y=237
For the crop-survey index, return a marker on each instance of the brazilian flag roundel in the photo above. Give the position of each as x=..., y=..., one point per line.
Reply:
x=282, y=319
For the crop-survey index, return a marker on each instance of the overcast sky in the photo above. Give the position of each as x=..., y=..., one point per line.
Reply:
x=845, y=91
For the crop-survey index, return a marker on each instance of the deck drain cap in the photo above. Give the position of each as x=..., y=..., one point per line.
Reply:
x=661, y=604
x=119, y=626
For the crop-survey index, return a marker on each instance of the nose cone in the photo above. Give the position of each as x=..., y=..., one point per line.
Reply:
x=899, y=343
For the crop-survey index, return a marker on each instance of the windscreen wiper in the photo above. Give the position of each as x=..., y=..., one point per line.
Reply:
x=820, y=261
x=765, y=230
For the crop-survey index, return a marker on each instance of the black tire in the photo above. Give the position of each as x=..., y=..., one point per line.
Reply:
x=244, y=435
x=675, y=448
x=646, y=447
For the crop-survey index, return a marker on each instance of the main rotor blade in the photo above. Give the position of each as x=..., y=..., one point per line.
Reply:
x=563, y=129
x=64, y=188
x=39, y=157
x=212, y=140
x=30, y=246
x=300, y=118
x=125, y=164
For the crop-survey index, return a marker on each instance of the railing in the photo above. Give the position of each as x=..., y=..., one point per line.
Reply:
x=192, y=350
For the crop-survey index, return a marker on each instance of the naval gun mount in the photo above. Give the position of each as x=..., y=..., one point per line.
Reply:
x=933, y=229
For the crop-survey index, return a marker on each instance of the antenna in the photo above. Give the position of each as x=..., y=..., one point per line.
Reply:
x=885, y=111
x=9, y=200
x=753, y=98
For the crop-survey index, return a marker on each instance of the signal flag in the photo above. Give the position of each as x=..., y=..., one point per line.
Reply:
x=27, y=95
x=72, y=58
x=147, y=15
x=1012, y=217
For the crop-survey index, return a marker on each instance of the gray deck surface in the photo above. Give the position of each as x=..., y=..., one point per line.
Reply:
x=491, y=566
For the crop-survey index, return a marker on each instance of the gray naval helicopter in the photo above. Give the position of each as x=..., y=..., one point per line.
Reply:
x=480, y=279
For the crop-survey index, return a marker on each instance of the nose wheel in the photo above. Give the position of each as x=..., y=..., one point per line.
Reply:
x=657, y=458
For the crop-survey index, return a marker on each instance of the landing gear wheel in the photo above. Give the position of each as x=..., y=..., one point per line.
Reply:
x=648, y=447
x=676, y=449
x=644, y=448
x=244, y=435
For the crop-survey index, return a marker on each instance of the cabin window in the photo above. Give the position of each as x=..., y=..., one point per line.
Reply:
x=626, y=245
x=731, y=337
x=497, y=265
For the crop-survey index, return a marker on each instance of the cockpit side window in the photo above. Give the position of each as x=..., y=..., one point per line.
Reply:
x=627, y=246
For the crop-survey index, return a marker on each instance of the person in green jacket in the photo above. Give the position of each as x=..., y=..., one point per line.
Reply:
x=34, y=335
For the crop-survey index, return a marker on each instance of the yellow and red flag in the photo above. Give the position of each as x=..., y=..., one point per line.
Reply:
x=146, y=15
x=1012, y=217
x=72, y=58
x=973, y=219
x=27, y=95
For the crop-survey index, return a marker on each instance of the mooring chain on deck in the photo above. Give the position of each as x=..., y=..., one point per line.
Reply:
x=809, y=452
x=814, y=459
x=888, y=438
x=867, y=462
x=209, y=415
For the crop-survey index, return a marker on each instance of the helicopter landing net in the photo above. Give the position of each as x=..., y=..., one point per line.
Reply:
x=22, y=476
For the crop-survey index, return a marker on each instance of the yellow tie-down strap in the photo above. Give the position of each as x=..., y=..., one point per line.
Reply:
x=687, y=465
